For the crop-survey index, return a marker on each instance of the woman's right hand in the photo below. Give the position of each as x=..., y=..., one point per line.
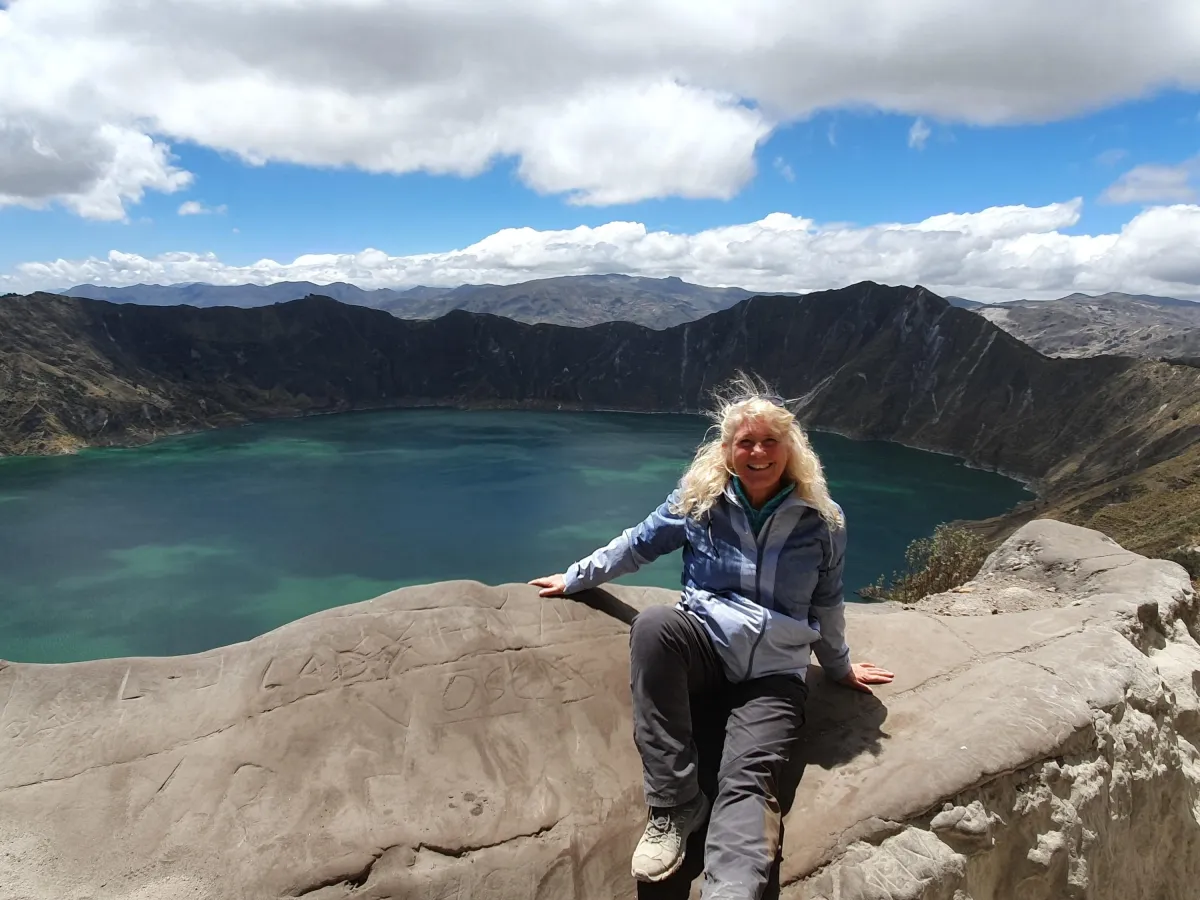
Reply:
x=551, y=585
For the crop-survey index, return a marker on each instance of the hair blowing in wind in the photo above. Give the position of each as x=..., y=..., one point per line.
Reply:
x=747, y=398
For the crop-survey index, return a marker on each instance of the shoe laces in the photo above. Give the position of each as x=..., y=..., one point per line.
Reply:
x=660, y=824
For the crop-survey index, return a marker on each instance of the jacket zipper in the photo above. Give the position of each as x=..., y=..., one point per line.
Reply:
x=766, y=530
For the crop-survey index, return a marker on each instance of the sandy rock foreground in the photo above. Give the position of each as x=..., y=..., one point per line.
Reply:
x=461, y=742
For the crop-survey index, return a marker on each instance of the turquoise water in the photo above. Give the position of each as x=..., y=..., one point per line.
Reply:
x=203, y=540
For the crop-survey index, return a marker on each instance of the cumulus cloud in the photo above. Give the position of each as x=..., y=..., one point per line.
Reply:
x=196, y=208
x=661, y=139
x=602, y=101
x=1155, y=184
x=1000, y=253
x=92, y=172
x=918, y=134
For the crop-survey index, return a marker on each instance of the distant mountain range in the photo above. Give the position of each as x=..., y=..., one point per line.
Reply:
x=1111, y=324
x=1078, y=325
x=573, y=300
x=244, y=296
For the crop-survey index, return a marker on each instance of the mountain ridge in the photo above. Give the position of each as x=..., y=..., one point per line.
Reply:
x=574, y=300
x=1075, y=325
x=1106, y=324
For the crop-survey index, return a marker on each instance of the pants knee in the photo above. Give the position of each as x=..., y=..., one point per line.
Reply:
x=651, y=626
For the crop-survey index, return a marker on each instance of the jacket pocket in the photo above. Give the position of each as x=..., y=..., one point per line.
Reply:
x=699, y=537
x=784, y=646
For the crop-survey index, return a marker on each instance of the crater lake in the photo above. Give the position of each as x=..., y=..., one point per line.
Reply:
x=202, y=540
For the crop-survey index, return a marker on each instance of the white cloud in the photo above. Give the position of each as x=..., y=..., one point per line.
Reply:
x=918, y=134
x=999, y=253
x=603, y=101
x=660, y=139
x=92, y=172
x=196, y=208
x=784, y=169
x=831, y=134
x=1155, y=184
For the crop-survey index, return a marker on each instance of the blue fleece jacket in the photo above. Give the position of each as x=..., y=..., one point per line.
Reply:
x=766, y=600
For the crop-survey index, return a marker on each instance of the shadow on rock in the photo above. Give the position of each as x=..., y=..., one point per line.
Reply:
x=840, y=725
x=602, y=601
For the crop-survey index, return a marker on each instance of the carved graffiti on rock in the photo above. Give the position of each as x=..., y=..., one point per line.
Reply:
x=514, y=682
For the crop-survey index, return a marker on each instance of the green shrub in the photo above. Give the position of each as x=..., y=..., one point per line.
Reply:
x=1188, y=557
x=950, y=557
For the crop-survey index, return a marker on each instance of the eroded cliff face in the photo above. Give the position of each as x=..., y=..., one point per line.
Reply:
x=1112, y=809
x=460, y=741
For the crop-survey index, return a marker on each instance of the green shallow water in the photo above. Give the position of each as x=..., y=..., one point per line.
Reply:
x=204, y=540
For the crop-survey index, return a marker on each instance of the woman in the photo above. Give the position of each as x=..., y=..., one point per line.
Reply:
x=762, y=586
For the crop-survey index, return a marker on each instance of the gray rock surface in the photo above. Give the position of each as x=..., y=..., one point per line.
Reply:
x=461, y=742
x=1063, y=745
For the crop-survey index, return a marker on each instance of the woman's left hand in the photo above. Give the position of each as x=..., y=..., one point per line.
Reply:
x=551, y=585
x=863, y=675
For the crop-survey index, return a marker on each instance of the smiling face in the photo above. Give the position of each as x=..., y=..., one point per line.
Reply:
x=759, y=459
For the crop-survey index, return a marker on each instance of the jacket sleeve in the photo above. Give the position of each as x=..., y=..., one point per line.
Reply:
x=829, y=609
x=660, y=533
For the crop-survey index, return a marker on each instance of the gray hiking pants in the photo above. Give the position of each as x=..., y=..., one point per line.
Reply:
x=673, y=664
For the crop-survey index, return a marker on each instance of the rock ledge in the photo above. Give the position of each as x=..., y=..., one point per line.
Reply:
x=470, y=742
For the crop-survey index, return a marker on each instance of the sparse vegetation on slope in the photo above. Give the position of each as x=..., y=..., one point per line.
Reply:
x=950, y=557
x=1154, y=511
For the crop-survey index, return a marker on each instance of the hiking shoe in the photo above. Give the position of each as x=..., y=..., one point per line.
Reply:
x=659, y=853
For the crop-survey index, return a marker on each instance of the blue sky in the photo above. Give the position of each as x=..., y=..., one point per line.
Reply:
x=827, y=152
x=867, y=174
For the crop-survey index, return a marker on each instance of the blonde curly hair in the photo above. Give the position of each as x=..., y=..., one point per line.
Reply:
x=748, y=398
